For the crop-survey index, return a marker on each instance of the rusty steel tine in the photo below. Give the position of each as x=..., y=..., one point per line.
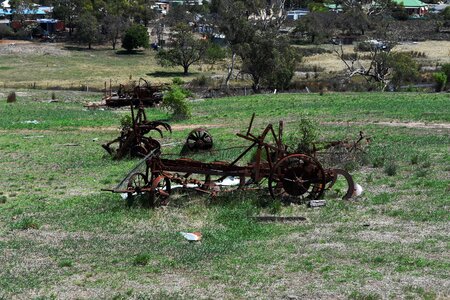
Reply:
x=251, y=124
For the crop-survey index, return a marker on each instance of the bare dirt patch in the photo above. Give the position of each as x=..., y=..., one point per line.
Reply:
x=420, y=125
x=194, y=126
x=29, y=48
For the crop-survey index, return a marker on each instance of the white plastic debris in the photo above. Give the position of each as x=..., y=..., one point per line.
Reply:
x=229, y=181
x=358, y=190
x=192, y=236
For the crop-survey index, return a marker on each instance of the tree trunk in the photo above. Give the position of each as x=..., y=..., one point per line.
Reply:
x=230, y=70
x=89, y=45
x=255, y=85
x=186, y=70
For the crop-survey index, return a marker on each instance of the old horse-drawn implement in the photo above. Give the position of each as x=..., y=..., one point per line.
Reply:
x=134, y=138
x=293, y=177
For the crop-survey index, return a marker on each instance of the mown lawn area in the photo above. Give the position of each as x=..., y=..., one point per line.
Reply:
x=61, y=237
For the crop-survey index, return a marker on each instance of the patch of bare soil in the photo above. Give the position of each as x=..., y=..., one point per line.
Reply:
x=194, y=126
x=97, y=129
x=29, y=48
x=174, y=127
x=395, y=124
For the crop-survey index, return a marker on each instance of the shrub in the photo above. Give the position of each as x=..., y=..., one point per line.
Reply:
x=12, y=97
x=26, y=223
x=214, y=53
x=175, y=101
x=177, y=81
x=136, y=36
x=141, y=259
x=390, y=168
x=65, y=263
x=53, y=96
x=441, y=81
x=306, y=133
x=202, y=81
x=363, y=47
x=446, y=69
x=446, y=13
x=405, y=69
x=6, y=32
x=126, y=121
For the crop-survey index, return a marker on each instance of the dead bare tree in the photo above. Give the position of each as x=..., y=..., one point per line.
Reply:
x=377, y=68
x=369, y=7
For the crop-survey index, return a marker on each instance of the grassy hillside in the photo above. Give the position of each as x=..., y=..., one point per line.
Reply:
x=60, y=237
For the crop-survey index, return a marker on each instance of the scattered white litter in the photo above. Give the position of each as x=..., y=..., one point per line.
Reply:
x=229, y=181
x=31, y=122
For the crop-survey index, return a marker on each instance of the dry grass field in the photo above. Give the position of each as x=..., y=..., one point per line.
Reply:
x=437, y=52
x=25, y=64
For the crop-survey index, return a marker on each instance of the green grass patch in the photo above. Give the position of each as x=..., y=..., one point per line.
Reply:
x=64, y=232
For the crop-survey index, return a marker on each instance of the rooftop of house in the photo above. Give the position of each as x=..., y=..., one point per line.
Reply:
x=410, y=3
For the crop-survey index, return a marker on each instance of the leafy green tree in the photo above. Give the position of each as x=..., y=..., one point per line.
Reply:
x=136, y=36
x=269, y=60
x=18, y=7
x=318, y=26
x=404, y=68
x=142, y=12
x=251, y=30
x=353, y=21
x=214, y=53
x=87, y=29
x=185, y=49
x=446, y=13
x=113, y=28
x=68, y=11
x=446, y=69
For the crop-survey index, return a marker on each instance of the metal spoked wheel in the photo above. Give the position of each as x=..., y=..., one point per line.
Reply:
x=199, y=139
x=135, y=185
x=296, y=178
x=160, y=191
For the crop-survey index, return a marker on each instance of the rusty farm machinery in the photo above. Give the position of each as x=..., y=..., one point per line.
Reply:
x=141, y=92
x=134, y=139
x=290, y=177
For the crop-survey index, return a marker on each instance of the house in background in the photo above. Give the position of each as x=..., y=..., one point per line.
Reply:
x=413, y=7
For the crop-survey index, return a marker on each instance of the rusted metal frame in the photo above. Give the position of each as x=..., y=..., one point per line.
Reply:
x=251, y=124
x=205, y=169
x=243, y=154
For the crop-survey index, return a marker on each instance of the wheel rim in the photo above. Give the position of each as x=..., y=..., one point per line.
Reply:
x=297, y=176
x=199, y=139
x=160, y=191
x=136, y=182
